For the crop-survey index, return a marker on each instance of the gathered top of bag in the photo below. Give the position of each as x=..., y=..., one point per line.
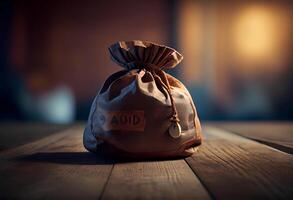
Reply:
x=138, y=54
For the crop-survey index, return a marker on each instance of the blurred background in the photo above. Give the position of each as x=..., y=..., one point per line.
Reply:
x=238, y=62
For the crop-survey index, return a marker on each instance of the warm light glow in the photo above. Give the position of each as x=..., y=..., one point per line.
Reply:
x=256, y=33
x=259, y=39
x=190, y=39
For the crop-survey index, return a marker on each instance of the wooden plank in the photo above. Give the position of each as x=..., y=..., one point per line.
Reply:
x=275, y=134
x=233, y=167
x=55, y=167
x=154, y=180
x=14, y=134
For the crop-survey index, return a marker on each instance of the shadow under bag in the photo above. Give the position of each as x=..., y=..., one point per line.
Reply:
x=142, y=111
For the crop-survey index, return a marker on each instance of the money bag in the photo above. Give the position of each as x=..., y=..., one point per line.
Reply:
x=142, y=111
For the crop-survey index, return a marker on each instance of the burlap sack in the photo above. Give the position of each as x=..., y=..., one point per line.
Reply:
x=142, y=111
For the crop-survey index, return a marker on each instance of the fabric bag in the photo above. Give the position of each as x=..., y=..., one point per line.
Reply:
x=142, y=111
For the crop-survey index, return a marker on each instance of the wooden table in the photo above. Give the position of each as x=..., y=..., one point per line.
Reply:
x=236, y=161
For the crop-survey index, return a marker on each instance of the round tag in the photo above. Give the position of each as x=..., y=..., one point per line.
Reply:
x=175, y=130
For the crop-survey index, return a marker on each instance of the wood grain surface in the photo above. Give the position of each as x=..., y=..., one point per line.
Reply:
x=55, y=167
x=275, y=134
x=58, y=167
x=154, y=180
x=13, y=134
x=227, y=166
x=231, y=166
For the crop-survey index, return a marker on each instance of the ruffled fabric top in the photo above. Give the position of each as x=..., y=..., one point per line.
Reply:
x=138, y=54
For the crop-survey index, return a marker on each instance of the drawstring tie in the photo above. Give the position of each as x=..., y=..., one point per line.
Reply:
x=175, y=128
